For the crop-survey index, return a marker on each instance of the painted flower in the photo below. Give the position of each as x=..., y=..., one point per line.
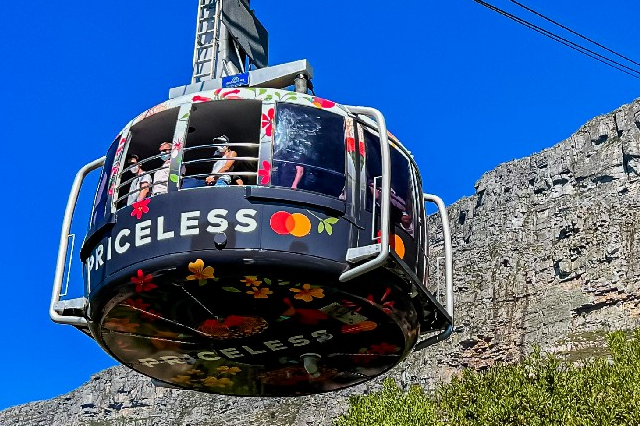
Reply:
x=251, y=281
x=387, y=305
x=214, y=382
x=260, y=293
x=228, y=370
x=351, y=145
x=265, y=173
x=322, y=103
x=197, y=99
x=143, y=282
x=383, y=349
x=181, y=380
x=361, y=148
x=164, y=340
x=307, y=293
x=177, y=146
x=121, y=324
x=231, y=94
x=267, y=122
x=200, y=273
x=359, y=328
x=140, y=208
x=303, y=316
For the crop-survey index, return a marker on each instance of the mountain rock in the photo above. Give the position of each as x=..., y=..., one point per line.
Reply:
x=545, y=253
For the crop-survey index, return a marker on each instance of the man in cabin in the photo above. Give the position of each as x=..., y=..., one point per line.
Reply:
x=141, y=185
x=161, y=177
x=224, y=165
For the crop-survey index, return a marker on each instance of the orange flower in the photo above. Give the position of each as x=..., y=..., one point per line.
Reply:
x=260, y=293
x=181, y=380
x=214, y=382
x=121, y=324
x=200, y=273
x=307, y=293
x=251, y=281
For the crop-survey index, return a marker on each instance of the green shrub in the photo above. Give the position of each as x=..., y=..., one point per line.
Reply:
x=540, y=390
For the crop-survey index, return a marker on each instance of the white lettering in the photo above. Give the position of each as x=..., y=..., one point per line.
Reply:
x=109, y=248
x=143, y=233
x=231, y=353
x=322, y=336
x=119, y=248
x=208, y=356
x=217, y=224
x=99, y=253
x=275, y=345
x=172, y=360
x=251, y=351
x=161, y=234
x=298, y=341
x=246, y=222
x=189, y=223
x=149, y=362
x=90, y=263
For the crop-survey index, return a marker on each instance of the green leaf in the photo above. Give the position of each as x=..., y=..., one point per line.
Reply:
x=329, y=229
x=332, y=220
x=231, y=289
x=267, y=281
x=320, y=227
x=186, y=116
x=262, y=92
x=268, y=98
x=202, y=282
x=174, y=178
x=284, y=283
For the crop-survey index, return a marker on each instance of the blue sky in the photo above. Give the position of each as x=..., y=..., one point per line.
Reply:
x=463, y=88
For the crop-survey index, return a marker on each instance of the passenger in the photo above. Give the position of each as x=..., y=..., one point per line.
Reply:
x=222, y=166
x=290, y=174
x=161, y=177
x=140, y=186
x=406, y=223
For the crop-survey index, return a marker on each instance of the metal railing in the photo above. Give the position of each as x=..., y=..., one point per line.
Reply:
x=64, y=245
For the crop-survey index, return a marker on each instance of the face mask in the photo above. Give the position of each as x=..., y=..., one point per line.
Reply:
x=165, y=156
x=222, y=149
x=135, y=169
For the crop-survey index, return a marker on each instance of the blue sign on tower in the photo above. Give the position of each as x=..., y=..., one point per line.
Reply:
x=237, y=80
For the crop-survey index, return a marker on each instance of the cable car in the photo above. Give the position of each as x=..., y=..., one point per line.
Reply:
x=254, y=241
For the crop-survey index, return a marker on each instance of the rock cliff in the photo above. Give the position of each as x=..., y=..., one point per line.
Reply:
x=545, y=252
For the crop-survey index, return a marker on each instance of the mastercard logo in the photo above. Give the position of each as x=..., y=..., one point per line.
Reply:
x=295, y=224
x=396, y=244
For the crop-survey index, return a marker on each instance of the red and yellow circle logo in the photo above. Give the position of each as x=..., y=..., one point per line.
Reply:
x=296, y=224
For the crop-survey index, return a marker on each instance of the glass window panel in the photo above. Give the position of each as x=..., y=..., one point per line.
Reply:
x=309, y=151
x=102, y=193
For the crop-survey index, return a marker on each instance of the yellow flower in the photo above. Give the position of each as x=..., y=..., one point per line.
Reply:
x=251, y=281
x=200, y=273
x=182, y=380
x=228, y=370
x=260, y=293
x=214, y=382
x=307, y=293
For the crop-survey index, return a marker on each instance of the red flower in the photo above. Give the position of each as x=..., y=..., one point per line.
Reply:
x=351, y=145
x=267, y=122
x=231, y=94
x=323, y=103
x=303, y=316
x=361, y=148
x=265, y=173
x=137, y=304
x=383, y=349
x=143, y=282
x=140, y=208
x=387, y=305
x=197, y=99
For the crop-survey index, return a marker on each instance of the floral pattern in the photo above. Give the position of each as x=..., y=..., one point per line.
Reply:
x=200, y=272
x=251, y=281
x=307, y=293
x=140, y=208
x=267, y=122
x=143, y=282
x=265, y=173
x=215, y=382
x=260, y=293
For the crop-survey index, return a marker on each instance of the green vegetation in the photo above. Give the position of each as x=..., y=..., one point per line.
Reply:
x=540, y=390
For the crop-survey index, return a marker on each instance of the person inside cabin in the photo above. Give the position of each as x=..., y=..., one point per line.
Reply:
x=222, y=168
x=161, y=177
x=141, y=184
x=289, y=170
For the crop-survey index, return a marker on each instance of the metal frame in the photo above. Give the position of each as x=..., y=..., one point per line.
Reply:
x=448, y=251
x=64, y=245
x=385, y=198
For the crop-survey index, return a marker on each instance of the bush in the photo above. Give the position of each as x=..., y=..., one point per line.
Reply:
x=540, y=390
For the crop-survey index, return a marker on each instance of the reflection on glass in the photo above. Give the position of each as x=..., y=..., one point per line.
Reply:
x=309, y=151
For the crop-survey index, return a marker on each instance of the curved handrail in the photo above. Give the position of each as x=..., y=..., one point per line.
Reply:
x=385, y=197
x=64, y=245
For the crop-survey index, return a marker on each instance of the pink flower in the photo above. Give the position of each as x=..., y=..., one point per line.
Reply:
x=143, y=282
x=267, y=122
x=323, y=103
x=140, y=208
x=265, y=173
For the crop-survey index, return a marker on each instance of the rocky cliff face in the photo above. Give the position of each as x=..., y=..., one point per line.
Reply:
x=546, y=253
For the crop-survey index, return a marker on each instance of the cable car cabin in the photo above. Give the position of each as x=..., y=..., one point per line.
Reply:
x=256, y=242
